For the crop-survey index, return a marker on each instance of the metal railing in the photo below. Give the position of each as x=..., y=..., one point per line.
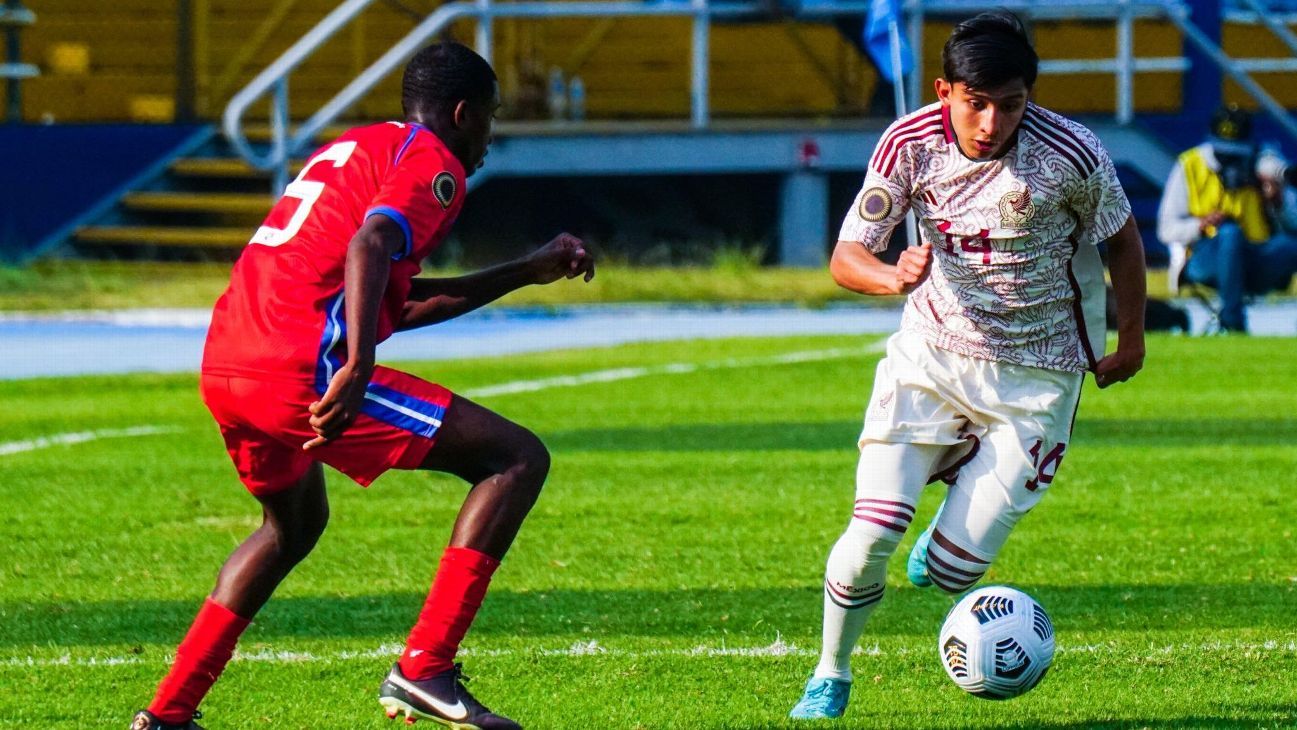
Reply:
x=1124, y=64
x=1235, y=69
x=1281, y=31
x=13, y=18
x=273, y=80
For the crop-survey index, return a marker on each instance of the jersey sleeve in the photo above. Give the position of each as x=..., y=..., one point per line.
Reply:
x=882, y=202
x=422, y=189
x=1098, y=200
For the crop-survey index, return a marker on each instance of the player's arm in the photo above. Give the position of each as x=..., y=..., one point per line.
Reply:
x=856, y=268
x=434, y=300
x=866, y=231
x=1175, y=224
x=369, y=258
x=1126, y=266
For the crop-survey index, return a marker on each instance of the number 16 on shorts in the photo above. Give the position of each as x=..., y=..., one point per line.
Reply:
x=1047, y=467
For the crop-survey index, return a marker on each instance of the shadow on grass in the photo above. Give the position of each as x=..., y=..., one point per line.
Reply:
x=704, y=615
x=1192, y=721
x=1151, y=724
x=802, y=436
x=841, y=435
x=1257, y=431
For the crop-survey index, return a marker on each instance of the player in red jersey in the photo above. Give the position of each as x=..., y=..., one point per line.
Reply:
x=289, y=374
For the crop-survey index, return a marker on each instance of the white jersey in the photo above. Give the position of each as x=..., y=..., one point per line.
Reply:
x=1016, y=276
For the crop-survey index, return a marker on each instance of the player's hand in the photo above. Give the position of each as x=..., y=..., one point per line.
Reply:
x=913, y=267
x=1212, y=220
x=334, y=412
x=1272, y=191
x=565, y=257
x=1119, y=367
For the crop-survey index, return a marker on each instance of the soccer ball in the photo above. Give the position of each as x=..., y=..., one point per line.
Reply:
x=996, y=643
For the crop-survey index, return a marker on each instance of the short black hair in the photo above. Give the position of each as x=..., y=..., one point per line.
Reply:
x=442, y=75
x=1232, y=123
x=990, y=50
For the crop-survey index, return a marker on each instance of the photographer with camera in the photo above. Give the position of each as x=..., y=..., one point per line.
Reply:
x=1225, y=217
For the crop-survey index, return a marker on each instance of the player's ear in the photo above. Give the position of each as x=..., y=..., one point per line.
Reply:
x=943, y=88
x=460, y=116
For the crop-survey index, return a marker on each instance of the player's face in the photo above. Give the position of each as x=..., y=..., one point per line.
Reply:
x=985, y=120
x=478, y=129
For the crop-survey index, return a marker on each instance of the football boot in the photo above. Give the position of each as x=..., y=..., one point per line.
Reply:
x=145, y=720
x=441, y=698
x=823, y=698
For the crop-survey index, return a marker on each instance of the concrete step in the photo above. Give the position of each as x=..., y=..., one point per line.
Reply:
x=215, y=203
x=219, y=167
x=226, y=237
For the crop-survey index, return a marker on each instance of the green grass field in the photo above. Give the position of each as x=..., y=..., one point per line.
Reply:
x=670, y=576
x=59, y=284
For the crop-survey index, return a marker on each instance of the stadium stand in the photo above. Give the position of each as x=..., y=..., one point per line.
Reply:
x=793, y=77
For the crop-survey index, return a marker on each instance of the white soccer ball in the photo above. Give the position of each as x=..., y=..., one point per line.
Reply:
x=996, y=642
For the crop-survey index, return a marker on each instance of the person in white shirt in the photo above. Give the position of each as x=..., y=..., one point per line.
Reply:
x=1223, y=217
x=1005, y=315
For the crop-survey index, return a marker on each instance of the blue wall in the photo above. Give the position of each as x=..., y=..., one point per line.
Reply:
x=51, y=174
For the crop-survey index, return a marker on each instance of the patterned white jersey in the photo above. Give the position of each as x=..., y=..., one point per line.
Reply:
x=1016, y=275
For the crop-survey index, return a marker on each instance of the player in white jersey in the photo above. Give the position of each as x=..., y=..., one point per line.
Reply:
x=979, y=388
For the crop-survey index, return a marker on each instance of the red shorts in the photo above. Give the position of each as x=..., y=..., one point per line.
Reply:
x=265, y=424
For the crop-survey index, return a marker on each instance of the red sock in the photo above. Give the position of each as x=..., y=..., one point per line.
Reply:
x=200, y=659
x=456, y=594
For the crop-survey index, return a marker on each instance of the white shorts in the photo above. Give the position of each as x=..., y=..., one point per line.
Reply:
x=1014, y=421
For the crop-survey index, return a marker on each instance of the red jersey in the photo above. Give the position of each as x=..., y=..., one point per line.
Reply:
x=283, y=316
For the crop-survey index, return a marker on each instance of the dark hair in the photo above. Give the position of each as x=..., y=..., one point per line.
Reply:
x=1232, y=123
x=990, y=50
x=442, y=75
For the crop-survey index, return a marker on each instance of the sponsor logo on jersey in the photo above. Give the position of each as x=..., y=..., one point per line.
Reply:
x=443, y=188
x=1016, y=208
x=875, y=204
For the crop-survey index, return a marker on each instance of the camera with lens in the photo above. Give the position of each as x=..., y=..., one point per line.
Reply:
x=1272, y=167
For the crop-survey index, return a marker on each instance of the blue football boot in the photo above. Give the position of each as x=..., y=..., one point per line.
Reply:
x=822, y=699
x=916, y=568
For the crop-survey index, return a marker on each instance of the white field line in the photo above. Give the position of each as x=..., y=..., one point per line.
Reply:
x=80, y=437
x=675, y=368
x=592, y=648
x=516, y=386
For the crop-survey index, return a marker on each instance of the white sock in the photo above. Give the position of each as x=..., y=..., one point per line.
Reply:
x=889, y=479
x=854, y=580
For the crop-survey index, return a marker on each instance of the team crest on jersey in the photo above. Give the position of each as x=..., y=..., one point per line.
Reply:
x=875, y=204
x=1016, y=208
x=443, y=188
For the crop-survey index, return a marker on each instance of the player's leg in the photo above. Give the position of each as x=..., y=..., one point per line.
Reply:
x=989, y=498
x=292, y=521
x=910, y=427
x=889, y=479
x=1227, y=251
x=1270, y=266
x=1012, y=468
x=506, y=465
x=916, y=566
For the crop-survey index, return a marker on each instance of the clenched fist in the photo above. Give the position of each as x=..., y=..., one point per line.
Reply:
x=913, y=267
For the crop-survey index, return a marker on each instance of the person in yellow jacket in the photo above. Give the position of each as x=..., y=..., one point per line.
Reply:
x=1216, y=219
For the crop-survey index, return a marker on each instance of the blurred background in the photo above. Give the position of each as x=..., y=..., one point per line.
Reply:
x=675, y=133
